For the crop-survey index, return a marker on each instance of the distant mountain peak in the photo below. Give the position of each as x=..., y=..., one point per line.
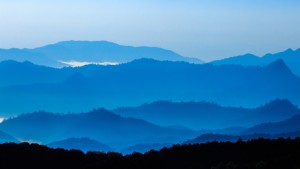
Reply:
x=77, y=43
x=279, y=66
x=279, y=104
x=290, y=57
x=16, y=63
x=288, y=50
x=278, y=62
x=149, y=61
x=248, y=55
x=91, y=52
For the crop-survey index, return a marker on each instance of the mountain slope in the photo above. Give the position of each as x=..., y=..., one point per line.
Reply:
x=198, y=115
x=89, y=51
x=144, y=81
x=100, y=125
x=6, y=138
x=26, y=73
x=234, y=138
x=290, y=57
x=83, y=144
x=287, y=126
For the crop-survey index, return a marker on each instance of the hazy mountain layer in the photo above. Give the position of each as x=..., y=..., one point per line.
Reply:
x=57, y=55
x=290, y=125
x=290, y=57
x=83, y=144
x=99, y=125
x=199, y=115
x=142, y=81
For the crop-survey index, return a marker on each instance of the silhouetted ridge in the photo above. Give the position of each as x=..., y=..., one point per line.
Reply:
x=18, y=65
x=149, y=61
x=101, y=115
x=73, y=44
x=287, y=126
x=40, y=115
x=100, y=125
x=83, y=144
x=199, y=115
x=279, y=105
x=290, y=57
x=278, y=65
x=145, y=81
x=254, y=154
x=211, y=138
x=279, y=68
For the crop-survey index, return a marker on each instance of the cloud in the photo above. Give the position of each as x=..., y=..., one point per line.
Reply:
x=79, y=64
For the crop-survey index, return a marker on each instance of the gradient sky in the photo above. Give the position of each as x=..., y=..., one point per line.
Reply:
x=206, y=29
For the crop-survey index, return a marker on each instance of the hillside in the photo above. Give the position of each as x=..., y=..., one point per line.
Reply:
x=290, y=57
x=135, y=83
x=6, y=138
x=290, y=125
x=58, y=54
x=100, y=125
x=199, y=115
x=82, y=144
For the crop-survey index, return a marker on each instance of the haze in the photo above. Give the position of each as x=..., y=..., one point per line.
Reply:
x=204, y=29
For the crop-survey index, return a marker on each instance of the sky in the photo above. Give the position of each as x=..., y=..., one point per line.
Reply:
x=205, y=29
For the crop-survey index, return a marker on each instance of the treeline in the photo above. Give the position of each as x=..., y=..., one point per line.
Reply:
x=255, y=154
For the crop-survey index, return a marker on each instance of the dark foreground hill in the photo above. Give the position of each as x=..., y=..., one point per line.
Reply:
x=262, y=154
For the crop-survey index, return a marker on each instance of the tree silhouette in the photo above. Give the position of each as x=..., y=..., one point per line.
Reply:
x=254, y=154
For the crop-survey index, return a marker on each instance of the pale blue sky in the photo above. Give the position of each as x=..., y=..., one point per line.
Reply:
x=207, y=29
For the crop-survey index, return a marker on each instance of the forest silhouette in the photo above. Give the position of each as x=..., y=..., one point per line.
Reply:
x=258, y=154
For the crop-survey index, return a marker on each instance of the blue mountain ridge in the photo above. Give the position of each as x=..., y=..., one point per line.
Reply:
x=83, y=144
x=289, y=125
x=142, y=81
x=290, y=57
x=85, y=131
x=99, y=125
x=89, y=51
x=199, y=115
x=211, y=137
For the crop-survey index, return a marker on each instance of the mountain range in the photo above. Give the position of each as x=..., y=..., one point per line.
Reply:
x=234, y=138
x=100, y=125
x=101, y=52
x=102, y=130
x=290, y=57
x=151, y=97
x=199, y=115
x=31, y=88
x=289, y=128
x=289, y=125
x=77, y=53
